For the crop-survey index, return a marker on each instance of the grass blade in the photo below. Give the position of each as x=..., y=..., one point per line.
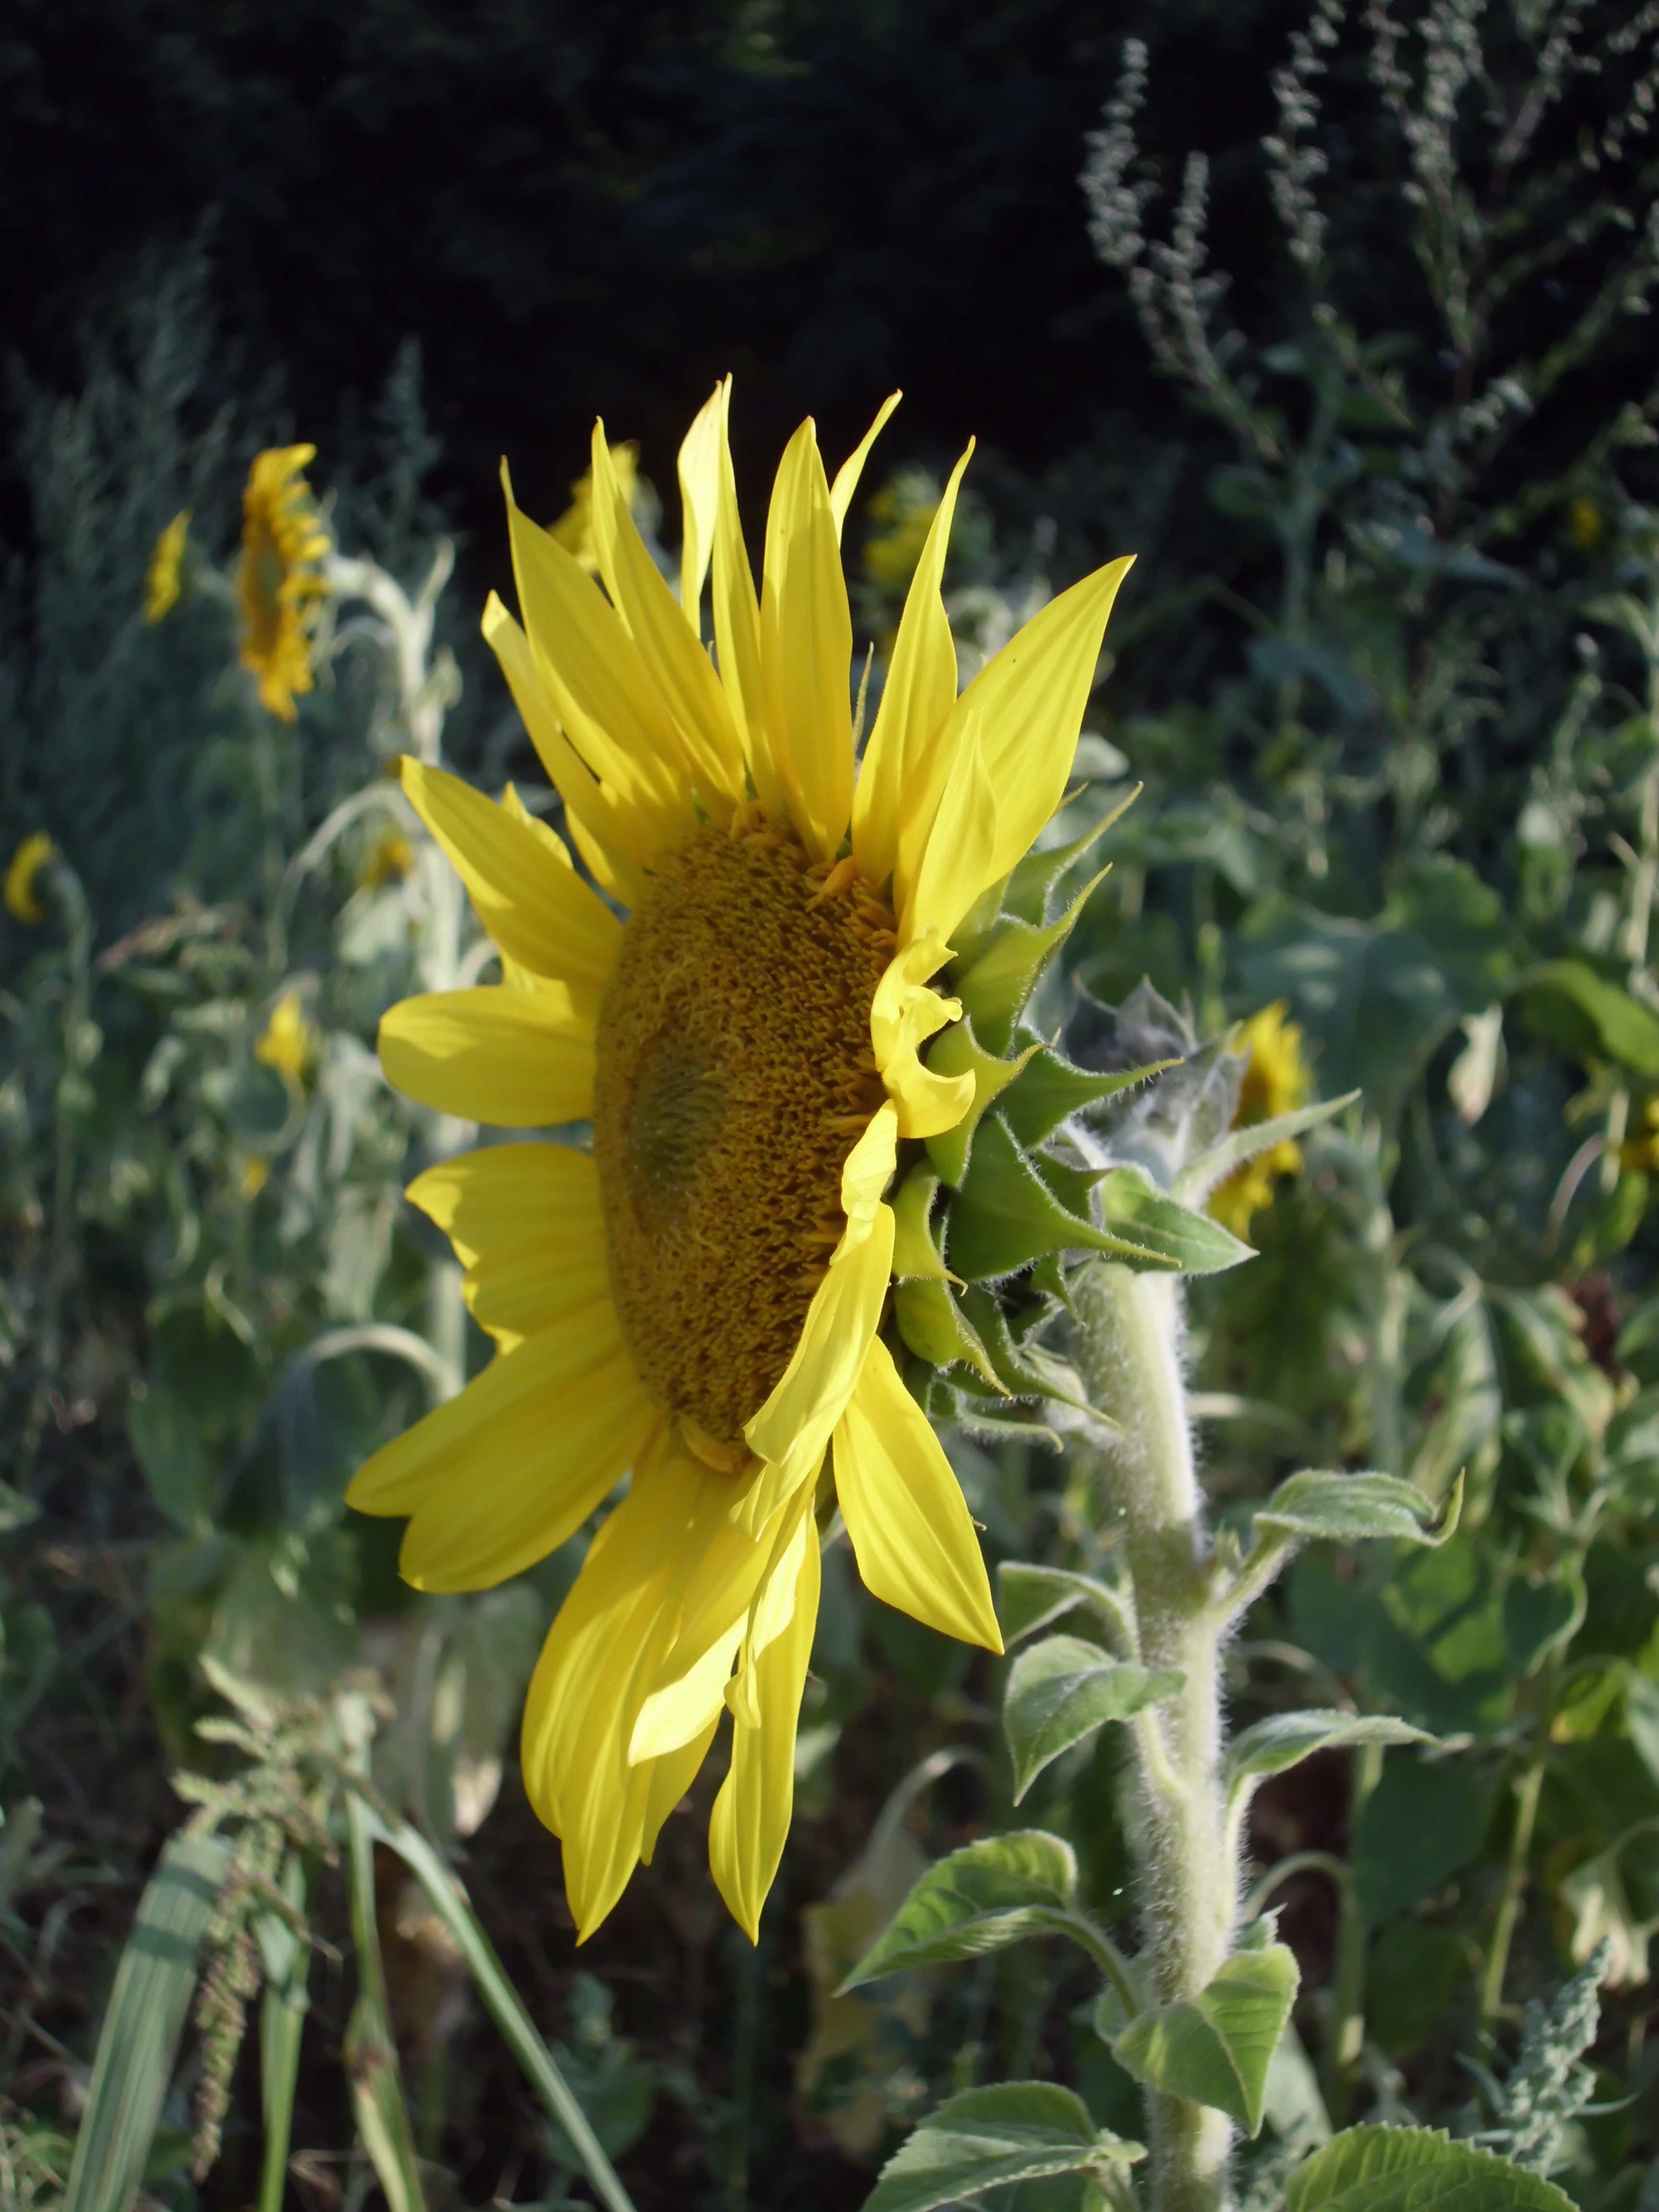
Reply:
x=371, y=2054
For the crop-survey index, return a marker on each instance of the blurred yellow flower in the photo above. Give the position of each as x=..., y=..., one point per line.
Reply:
x=1276, y=1081
x=388, y=860
x=22, y=901
x=279, y=587
x=1586, y=523
x=1640, y=1149
x=696, y=1301
x=575, y=528
x=167, y=563
x=891, y=554
x=287, y=1041
x=253, y=1174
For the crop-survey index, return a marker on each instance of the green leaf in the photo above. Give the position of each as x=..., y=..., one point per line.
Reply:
x=1414, y=2170
x=1028, y=1597
x=1049, y=1088
x=168, y=1446
x=934, y=1328
x=996, y=987
x=957, y=1051
x=979, y=1898
x=1005, y=1215
x=915, y=1253
x=1424, y=1821
x=1062, y=1690
x=990, y=2138
x=1285, y=1739
x=1216, y=2048
x=1195, y=1243
x=1244, y=1144
x=1350, y=1509
x=142, y=2025
x=1590, y=1016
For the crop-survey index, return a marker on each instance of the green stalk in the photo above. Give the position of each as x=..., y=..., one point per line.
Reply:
x=1346, y=2038
x=1130, y=1352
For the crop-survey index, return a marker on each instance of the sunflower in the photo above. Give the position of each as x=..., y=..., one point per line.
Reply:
x=288, y=1042
x=699, y=1299
x=1276, y=1081
x=163, y=578
x=279, y=585
x=22, y=892
x=575, y=528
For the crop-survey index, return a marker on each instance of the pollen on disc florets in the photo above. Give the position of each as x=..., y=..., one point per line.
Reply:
x=735, y=1075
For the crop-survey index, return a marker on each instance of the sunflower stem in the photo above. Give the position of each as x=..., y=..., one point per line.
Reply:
x=1130, y=1332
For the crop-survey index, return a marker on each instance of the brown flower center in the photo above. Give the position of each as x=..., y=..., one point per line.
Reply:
x=735, y=1075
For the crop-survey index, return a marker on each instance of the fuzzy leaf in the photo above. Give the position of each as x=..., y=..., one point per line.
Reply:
x=1005, y=1215
x=957, y=1051
x=1049, y=1088
x=1063, y=1690
x=1028, y=1597
x=1240, y=1146
x=934, y=1328
x=1216, y=2048
x=990, y=2138
x=1285, y=1739
x=995, y=989
x=1192, y=1242
x=1373, y=2169
x=979, y=1898
x=1347, y=1508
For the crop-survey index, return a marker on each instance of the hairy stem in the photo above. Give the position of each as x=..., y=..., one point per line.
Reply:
x=1130, y=1352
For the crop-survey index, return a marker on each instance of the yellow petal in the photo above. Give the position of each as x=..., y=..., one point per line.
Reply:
x=751, y=1819
x=699, y=493
x=840, y=1323
x=866, y=1176
x=542, y=914
x=503, y=1474
x=517, y=1060
x=686, y=1707
x=920, y=691
x=914, y=1540
x=903, y=1015
x=842, y=492
x=679, y=669
x=518, y=1292
x=503, y=1196
x=611, y=841
x=737, y=624
x=669, y=1778
x=591, y=670
x=807, y=649
x=959, y=860
x=1028, y=704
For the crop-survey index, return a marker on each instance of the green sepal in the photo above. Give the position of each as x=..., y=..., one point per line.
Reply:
x=1005, y=1215
x=959, y=1052
x=1049, y=1088
x=934, y=1328
x=1026, y=1373
x=995, y=989
x=978, y=925
x=1195, y=1242
x=1072, y=1183
x=1031, y=884
x=915, y=1253
x=1240, y=1146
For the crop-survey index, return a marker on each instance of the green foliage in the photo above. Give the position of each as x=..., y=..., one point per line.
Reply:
x=1217, y=2047
x=1400, y=2169
x=986, y=2139
x=1061, y=1690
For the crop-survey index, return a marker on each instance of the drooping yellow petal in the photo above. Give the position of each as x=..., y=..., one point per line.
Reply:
x=700, y=494
x=959, y=860
x=1027, y=704
x=794, y=1425
x=920, y=692
x=677, y=667
x=514, y=1059
x=912, y=1534
x=503, y=1196
x=903, y=1015
x=868, y=1171
x=737, y=624
x=845, y=488
x=592, y=672
x=775, y=1603
x=751, y=1819
x=499, y=1477
x=806, y=650
x=543, y=915
x=611, y=839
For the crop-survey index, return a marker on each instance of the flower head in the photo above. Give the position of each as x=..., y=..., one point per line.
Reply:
x=288, y=1042
x=279, y=585
x=1586, y=524
x=1276, y=1081
x=1640, y=1149
x=388, y=860
x=575, y=528
x=22, y=875
x=701, y=1299
x=161, y=578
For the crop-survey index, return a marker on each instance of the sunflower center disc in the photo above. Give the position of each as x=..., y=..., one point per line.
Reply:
x=735, y=1075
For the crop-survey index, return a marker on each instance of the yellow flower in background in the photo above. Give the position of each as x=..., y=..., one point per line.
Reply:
x=697, y=1299
x=22, y=899
x=388, y=860
x=1586, y=523
x=288, y=1042
x=253, y=1174
x=161, y=578
x=575, y=528
x=1276, y=1081
x=1640, y=1149
x=279, y=585
x=891, y=554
